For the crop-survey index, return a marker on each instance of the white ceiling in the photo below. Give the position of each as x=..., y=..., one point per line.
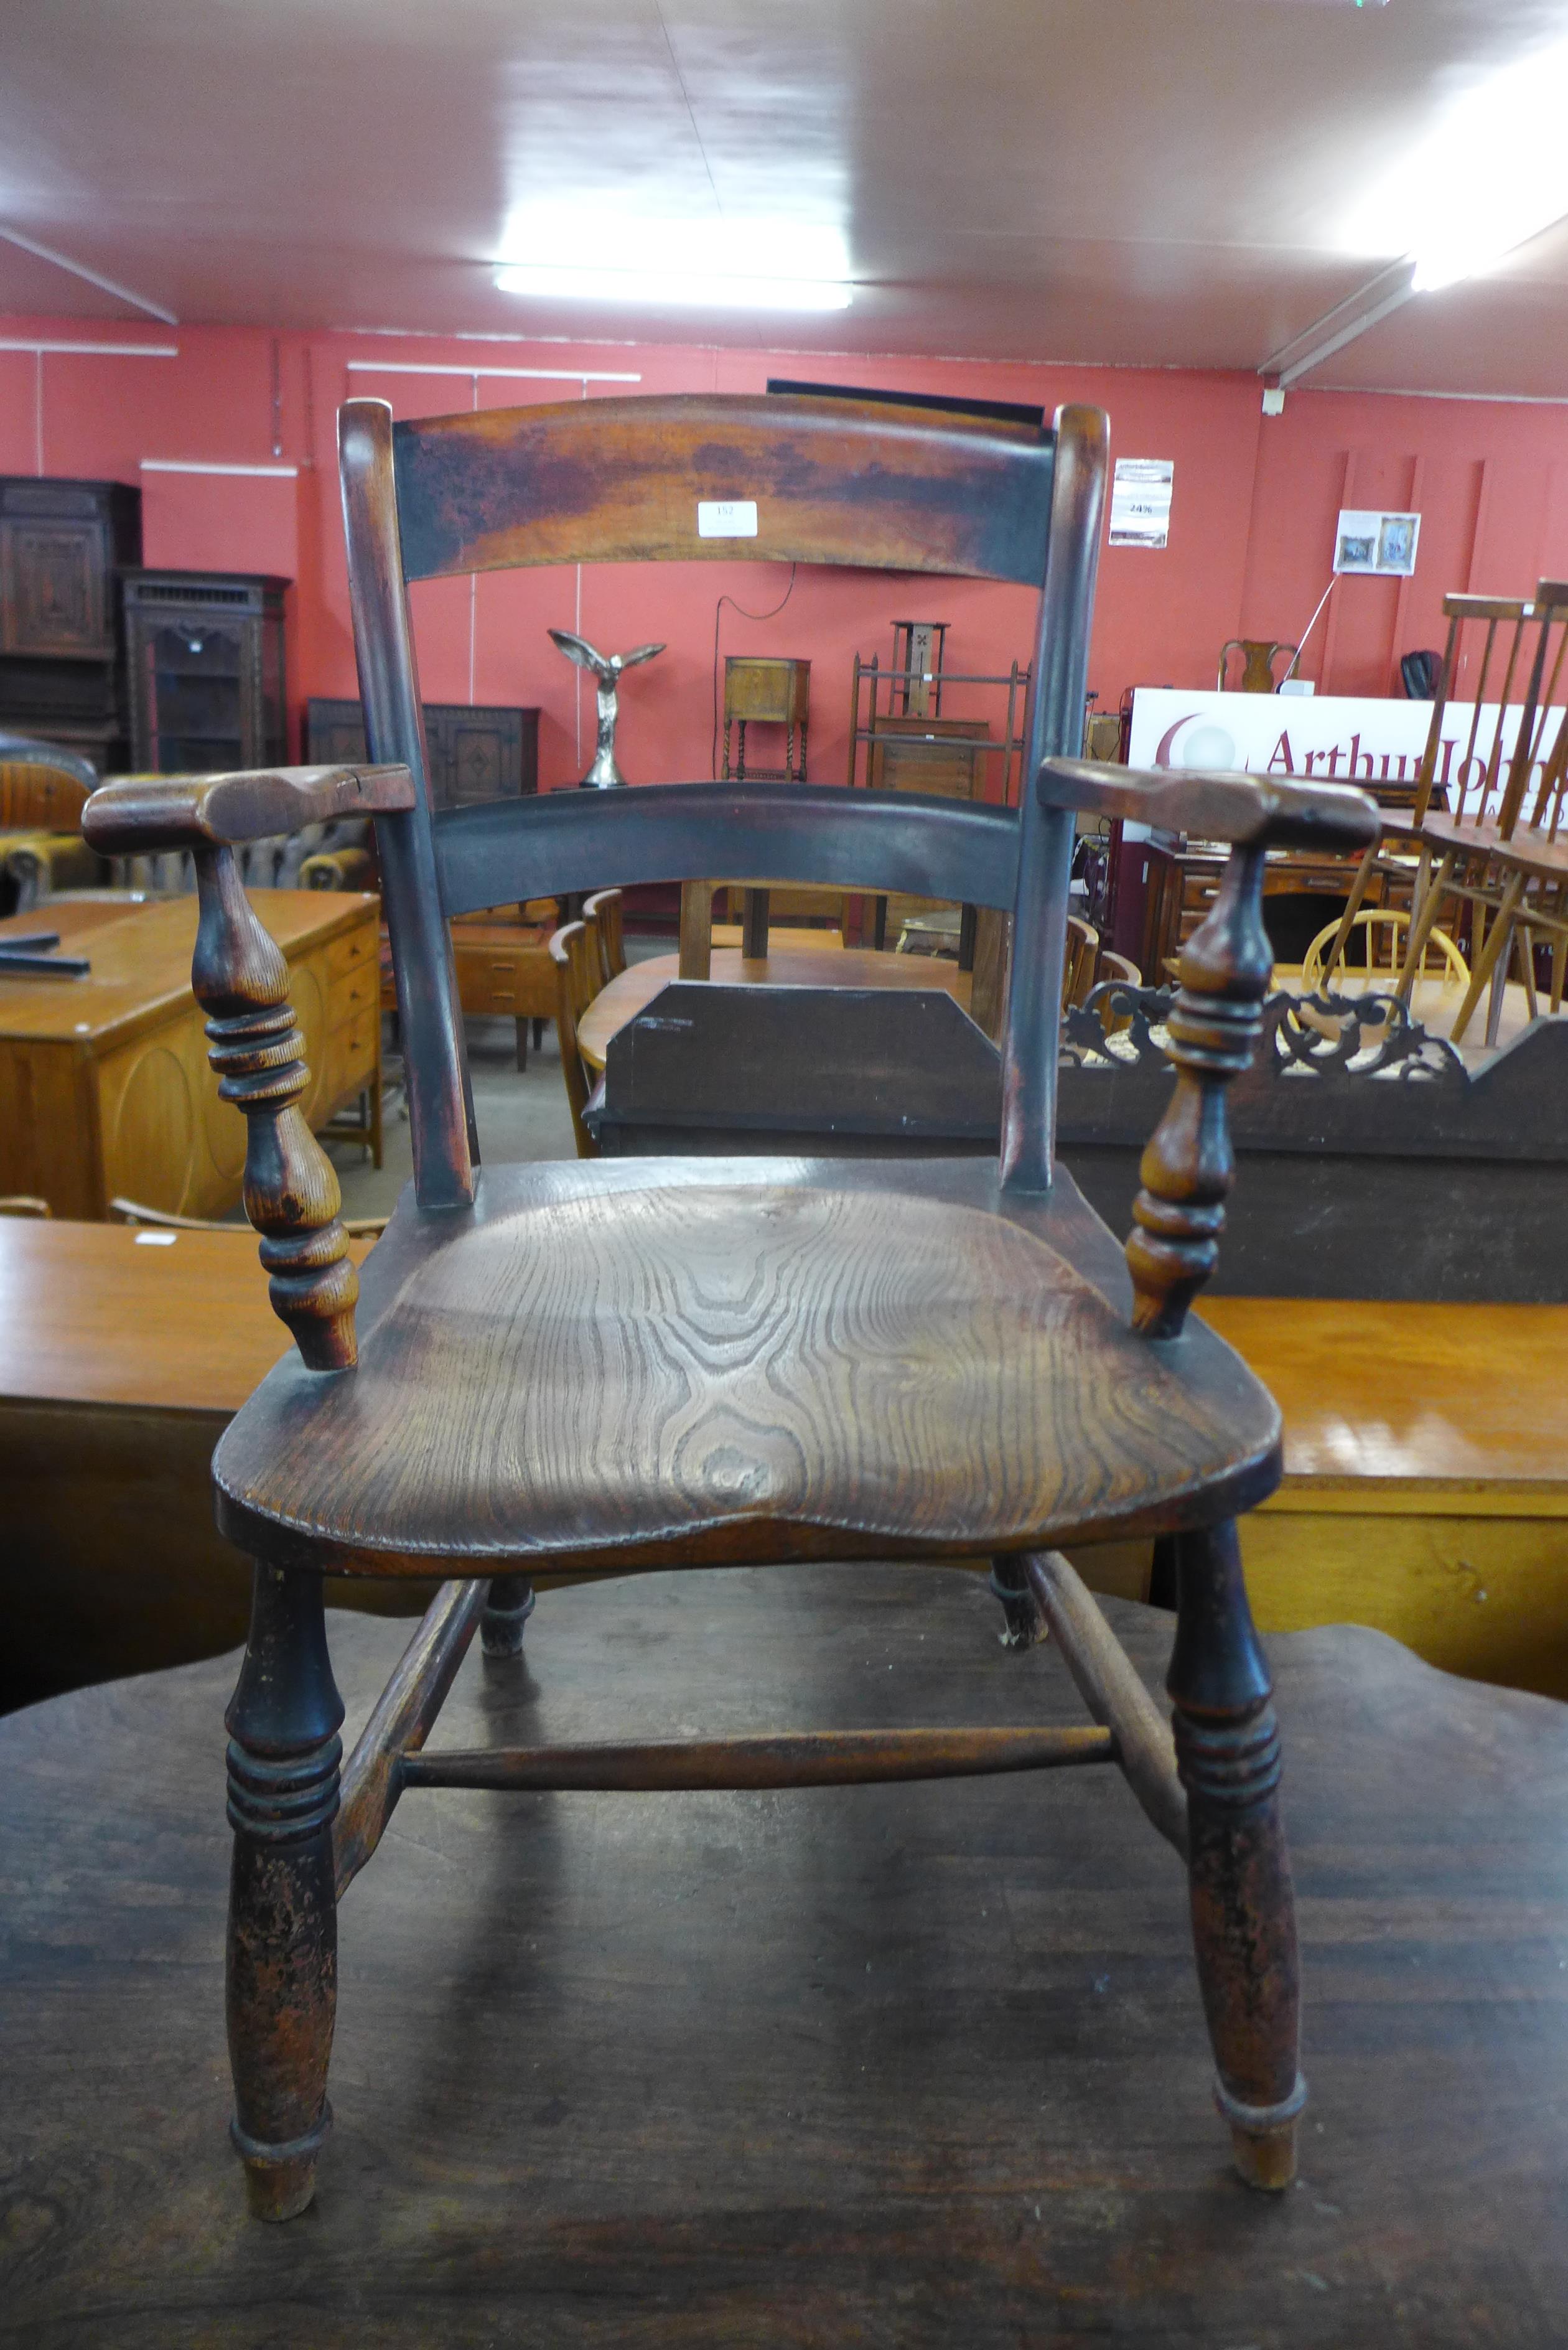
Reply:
x=1158, y=182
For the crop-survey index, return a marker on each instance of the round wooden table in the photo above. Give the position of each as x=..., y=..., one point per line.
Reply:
x=834, y=966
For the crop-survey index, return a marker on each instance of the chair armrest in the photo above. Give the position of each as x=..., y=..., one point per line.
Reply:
x=240, y=978
x=1250, y=811
x=1223, y=974
x=141, y=813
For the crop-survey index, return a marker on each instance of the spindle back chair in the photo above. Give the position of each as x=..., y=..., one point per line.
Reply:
x=681, y=1363
x=1494, y=847
x=604, y=913
x=1384, y=931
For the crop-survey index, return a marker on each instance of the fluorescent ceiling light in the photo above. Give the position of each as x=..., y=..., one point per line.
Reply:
x=670, y=290
x=598, y=252
x=1492, y=173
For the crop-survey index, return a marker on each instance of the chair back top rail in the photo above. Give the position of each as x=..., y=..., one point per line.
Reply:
x=849, y=482
x=861, y=484
x=807, y=834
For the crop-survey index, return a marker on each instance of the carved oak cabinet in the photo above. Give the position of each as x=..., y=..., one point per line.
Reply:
x=204, y=657
x=61, y=639
x=104, y=1091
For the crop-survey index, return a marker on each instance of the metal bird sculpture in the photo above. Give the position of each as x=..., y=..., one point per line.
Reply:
x=604, y=668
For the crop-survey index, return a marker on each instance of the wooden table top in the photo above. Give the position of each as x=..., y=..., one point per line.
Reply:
x=837, y=966
x=911, y=2064
x=100, y=1313
x=1457, y=1396
x=140, y=949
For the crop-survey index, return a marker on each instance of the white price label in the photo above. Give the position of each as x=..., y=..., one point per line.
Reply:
x=726, y=517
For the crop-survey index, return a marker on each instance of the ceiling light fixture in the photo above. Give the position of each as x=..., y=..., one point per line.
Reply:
x=1492, y=173
x=672, y=289
x=602, y=252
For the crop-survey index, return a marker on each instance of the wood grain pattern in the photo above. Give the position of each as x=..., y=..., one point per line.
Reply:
x=597, y=1370
x=618, y=480
x=1458, y=1400
x=768, y=2069
x=786, y=966
x=42, y=789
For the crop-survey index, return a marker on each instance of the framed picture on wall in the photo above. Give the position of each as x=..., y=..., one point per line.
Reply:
x=1378, y=545
x=1396, y=543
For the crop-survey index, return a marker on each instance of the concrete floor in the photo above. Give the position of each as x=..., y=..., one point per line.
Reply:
x=522, y=1113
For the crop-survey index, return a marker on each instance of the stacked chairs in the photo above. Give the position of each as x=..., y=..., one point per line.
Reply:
x=1494, y=849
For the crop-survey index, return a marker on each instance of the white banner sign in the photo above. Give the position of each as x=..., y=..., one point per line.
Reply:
x=1334, y=738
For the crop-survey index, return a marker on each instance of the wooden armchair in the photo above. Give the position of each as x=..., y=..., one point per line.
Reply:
x=689, y=1363
x=43, y=790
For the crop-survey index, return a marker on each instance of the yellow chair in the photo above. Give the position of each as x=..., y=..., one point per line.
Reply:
x=1373, y=923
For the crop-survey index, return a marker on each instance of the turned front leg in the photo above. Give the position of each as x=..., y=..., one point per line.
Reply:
x=241, y=981
x=1243, y=1907
x=282, y=1969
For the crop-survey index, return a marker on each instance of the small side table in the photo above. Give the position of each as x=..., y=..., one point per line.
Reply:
x=759, y=692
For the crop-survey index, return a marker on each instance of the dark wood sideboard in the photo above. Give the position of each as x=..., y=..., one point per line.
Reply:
x=475, y=753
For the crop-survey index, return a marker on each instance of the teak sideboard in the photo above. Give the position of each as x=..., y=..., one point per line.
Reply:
x=104, y=1086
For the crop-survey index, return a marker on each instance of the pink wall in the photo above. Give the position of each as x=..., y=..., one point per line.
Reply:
x=1250, y=553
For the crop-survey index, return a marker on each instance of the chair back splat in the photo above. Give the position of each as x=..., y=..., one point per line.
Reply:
x=831, y=482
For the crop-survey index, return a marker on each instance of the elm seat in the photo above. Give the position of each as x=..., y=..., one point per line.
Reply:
x=688, y=1361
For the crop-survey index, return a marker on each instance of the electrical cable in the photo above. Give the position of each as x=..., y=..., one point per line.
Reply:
x=1308, y=630
x=718, y=609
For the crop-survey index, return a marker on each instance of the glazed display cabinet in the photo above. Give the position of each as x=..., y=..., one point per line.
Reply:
x=205, y=667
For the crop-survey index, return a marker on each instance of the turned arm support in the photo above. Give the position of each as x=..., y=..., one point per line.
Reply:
x=239, y=977
x=1222, y=976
